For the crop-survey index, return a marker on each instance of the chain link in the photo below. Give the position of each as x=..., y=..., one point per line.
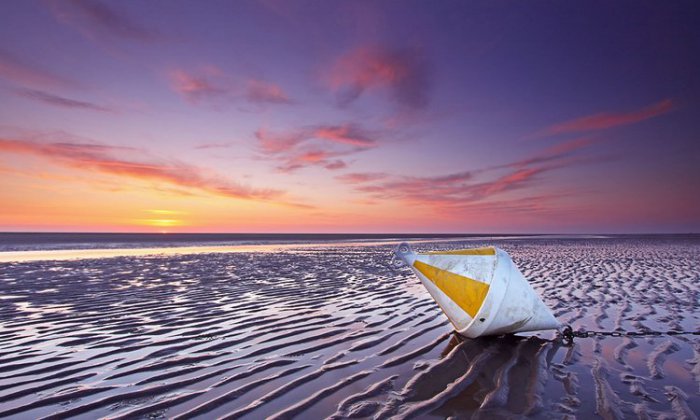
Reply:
x=569, y=334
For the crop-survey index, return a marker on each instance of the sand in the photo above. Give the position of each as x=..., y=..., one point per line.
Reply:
x=333, y=331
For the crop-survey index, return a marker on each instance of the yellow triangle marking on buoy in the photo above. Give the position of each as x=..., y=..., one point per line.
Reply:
x=468, y=293
x=472, y=251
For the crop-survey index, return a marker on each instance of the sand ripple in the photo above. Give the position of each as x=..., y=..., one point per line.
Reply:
x=334, y=332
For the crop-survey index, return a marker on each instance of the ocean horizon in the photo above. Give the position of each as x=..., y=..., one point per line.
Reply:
x=40, y=241
x=31, y=241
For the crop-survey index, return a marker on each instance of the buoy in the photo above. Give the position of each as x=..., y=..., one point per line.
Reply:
x=480, y=290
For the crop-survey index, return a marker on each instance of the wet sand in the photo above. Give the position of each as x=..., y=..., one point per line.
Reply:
x=333, y=331
x=146, y=251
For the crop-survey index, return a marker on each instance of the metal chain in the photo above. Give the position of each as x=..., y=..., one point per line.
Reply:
x=569, y=334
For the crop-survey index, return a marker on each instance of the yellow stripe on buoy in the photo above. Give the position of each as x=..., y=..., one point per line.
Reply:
x=468, y=293
x=471, y=251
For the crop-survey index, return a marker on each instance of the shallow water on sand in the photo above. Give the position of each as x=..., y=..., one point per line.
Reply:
x=334, y=332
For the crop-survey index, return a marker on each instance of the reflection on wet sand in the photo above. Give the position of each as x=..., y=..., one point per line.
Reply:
x=164, y=251
x=487, y=377
x=81, y=254
x=334, y=331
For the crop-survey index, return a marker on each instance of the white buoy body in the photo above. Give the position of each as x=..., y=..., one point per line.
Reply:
x=480, y=290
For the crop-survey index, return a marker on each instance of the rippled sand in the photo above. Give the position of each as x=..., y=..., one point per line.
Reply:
x=334, y=332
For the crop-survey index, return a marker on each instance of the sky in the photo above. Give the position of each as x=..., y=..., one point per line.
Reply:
x=350, y=116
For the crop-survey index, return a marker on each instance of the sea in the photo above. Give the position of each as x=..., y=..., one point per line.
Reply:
x=31, y=241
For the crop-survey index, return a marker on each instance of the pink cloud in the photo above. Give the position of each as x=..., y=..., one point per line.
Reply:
x=510, y=181
x=314, y=146
x=220, y=145
x=335, y=165
x=194, y=88
x=403, y=73
x=474, y=188
x=273, y=143
x=210, y=84
x=360, y=178
x=261, y=92
x=310, y=158
x=439, y=193
x=313, y=156
x=603, y=121
x=115, y=160
x=554, y=152
x=347, y=134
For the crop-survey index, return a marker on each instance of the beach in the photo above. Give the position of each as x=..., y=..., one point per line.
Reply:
x=331, y=330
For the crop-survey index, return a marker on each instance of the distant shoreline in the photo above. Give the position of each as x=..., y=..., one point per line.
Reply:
x=107, y=245
x=18, y=241
x=28, y=241
x=91, y=253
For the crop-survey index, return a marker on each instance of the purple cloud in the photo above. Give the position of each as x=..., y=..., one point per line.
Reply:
x=206, y=85
x=403, y=73
x=94, y=18
x=209, y=84
x=261, y=92
x=25, y=73
x=473, y=188
x=60, y=101
x=315, y=145
x=605, y=120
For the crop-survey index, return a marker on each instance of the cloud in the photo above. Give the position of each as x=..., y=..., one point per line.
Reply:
x=456, y=177
x=448, y=191
x=313, y=157
x=28, y=74
x=403, y=73
x=320, y=145
x=274, y=143
x=336, y=164
x=209, y=84
x=554, y=152
x=604, y=121
x=96, y=19
x=223, y=145
x=474, y=189
x=120, y=161
x=513, y=180
x=541, y=205
x=360, y=178
x=261, y=92
x=195, y=88
x=351, y=134
x=307, y=158
x=60, y=101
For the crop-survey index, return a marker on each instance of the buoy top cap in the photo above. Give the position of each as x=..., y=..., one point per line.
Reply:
x=404, y=254
x=490, y=250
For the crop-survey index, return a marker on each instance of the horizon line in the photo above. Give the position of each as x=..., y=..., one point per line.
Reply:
x=344, y=233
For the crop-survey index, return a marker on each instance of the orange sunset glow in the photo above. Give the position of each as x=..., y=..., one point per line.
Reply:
x=111, y=120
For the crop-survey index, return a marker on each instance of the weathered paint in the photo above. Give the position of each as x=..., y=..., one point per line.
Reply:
x=481, y=293
x=468, y=293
